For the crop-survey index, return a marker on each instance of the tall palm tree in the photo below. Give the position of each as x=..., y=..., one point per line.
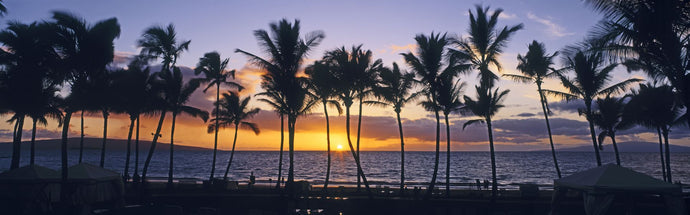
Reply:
x=486, y=105
x=348, y=68
x=215, y=74
x=322, y=83
x=276, y=101
x=660, y=45
x=449, y=100
x=29, y=61
x=428, y=65
x=395, y=89
x=591, y=76
x=608, y=118
x=46, y=106
x=485, y=43
x=177, y=94
x=364, y=88
x=656, y=108
x=535, y=66
x=159, y=42
x=101, y=92
x=86, y=49
x=287, y=52
x=233, y=111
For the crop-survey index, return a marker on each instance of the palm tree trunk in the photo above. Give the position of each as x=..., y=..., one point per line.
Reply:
x=172, y=144
x=153, y=146
x=661, y=154
x=494, y=179
x=136, y=152
x=615, y=148
x=548, y=128
x=592, y=133
x=432, y=184
x=105, y=137
x=129, y=145
x=402, y=154
x=81, y=138
x=17, y=143
x=232, y=153
x=33, y=143
x=359, y=129
x=447, y=157
x=280, y=157
x=63, y=152
x=328, y=147
x=664, y=131
x=291, y=154
x=354, y=153
x=215, y=138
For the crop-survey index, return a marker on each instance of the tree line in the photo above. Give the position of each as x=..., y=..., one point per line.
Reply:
x=66, y=52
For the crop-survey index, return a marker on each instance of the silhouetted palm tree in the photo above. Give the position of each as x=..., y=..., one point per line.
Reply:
x=102, y=92
x=395, y=89
x=322, y=83
x=656, y=108
x=485, y=43
x=608, y=118
x=177, y=94
x=86, y=49
x=287, y=52
x=3, y=9
x=535, y=66
x=276, y=101
x=649, y=33
x=486, y=105
x=157, y=42
x=46, y=106
x=428, y=65
x=349, y=67
x=364, y=88
x=591, y=76
x=449, y=100
x=215, y=74
x=233, y=111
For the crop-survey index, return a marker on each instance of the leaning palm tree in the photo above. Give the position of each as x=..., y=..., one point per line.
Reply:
x=395, y=89
x=276, y=101
x=449, y=101
x=364, y=88
x=216, y=75
x=485, y=43
x=486, y=105
x=159, y=42
x=287, y=52
x=177, y=94
x=535, y=66
x=656, y=108
x=591, y=76
x=428, y=65
x=347, y=68
x=608, y=118
x=233, y=111
x=322, y=83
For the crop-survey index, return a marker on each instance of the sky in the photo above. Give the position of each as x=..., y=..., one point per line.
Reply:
x=387, y=28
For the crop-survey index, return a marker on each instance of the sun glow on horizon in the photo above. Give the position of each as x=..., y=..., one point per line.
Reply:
x=339, y=147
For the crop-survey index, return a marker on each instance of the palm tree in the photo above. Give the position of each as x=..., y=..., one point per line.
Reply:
x=322, y=83
x=486, y=105
x=157, y=42
x=348, y=68
x=395, y=89
x=275, y=100
x=535, y=66
x=608, y=118
x=656, y=108
x=287, y=52
x=214, y=72
x=591, y=76
x=46, y=106
x=101, y=92
x=233, y=111
x=364, y=88
x=661, y=46
x=427, y=64
x=177, y=94
x=485, y=43
x=87, y=49
x=448, y=98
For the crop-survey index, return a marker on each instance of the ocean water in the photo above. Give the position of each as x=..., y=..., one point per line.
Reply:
x=381, y=168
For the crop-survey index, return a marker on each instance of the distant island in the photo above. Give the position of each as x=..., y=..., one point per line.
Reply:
x=95, y=143
x=626, y=147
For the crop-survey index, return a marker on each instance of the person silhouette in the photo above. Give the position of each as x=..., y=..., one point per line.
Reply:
x=252, y=179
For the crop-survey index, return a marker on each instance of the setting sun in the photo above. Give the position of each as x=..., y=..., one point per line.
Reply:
x=339, y=147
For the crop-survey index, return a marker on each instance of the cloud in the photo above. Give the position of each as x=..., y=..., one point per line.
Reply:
x=122, y=58
x=406, y=48
x=551, y=27
x=525, y=115
x=566, y=107
x=507, y=16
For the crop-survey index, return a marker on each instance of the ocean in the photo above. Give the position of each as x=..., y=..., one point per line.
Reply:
x=380, y=168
